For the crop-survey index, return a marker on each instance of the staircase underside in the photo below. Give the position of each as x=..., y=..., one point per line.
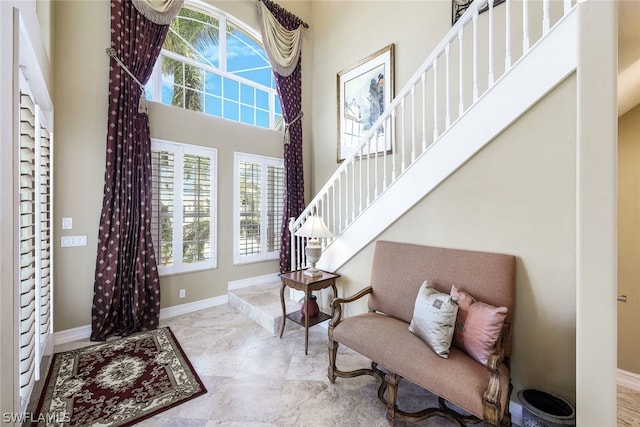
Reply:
x=547, y=64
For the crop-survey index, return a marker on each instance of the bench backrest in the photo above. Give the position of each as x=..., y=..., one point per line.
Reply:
x=400, y=268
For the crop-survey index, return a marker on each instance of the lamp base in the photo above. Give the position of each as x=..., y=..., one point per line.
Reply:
x=312, y=272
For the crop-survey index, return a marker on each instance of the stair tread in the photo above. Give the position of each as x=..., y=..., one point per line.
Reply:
x=261, y=303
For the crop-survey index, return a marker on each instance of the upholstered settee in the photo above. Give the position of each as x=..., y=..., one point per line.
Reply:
x=382, y=334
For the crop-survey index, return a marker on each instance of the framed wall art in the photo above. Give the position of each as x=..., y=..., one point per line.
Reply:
x=458, y=7
x=365, y=90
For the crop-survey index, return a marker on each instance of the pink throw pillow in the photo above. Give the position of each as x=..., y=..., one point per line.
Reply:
x=477, y=327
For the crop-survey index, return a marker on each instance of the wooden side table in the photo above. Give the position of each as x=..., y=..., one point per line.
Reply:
x=297, y=280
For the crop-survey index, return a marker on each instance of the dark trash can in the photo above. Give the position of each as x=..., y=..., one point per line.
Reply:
x=542, y=409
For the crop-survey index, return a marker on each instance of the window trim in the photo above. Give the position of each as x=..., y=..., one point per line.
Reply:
x=263, y=255
x=180, y=149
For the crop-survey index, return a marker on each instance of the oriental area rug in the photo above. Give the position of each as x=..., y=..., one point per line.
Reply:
x=117, y=383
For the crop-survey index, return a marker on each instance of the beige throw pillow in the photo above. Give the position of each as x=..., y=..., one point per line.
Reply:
x=434, y=319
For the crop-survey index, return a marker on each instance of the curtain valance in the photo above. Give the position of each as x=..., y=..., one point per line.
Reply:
x=159, y=12
x=282, y=46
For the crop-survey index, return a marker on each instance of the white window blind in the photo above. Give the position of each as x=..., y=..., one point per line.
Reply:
x=162, y=223
x=35, y=242
x=184, y=206
x=45, y=212
x=27, y=245
x=196, y=208
x=259, y=204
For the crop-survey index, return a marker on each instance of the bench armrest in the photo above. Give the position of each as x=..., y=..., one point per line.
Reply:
x=336, y=305
x=492, y=395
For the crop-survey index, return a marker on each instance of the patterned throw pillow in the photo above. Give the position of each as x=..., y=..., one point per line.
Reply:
x=434, y=318
x=478, y=326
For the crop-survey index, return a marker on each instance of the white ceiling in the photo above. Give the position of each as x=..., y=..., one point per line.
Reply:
x=628, y=55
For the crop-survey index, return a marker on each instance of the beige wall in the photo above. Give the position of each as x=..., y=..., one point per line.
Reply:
x=81, y=80
x=629, y=240
x=514, y=198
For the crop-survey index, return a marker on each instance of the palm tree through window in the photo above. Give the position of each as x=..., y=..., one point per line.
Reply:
x=213, y=64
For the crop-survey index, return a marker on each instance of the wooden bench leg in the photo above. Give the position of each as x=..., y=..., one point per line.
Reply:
x=333, y=351
x=392, y=381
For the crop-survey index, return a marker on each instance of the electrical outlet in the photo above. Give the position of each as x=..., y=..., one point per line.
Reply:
x=183, y=293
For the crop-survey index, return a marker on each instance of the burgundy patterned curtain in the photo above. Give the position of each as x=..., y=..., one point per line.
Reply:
x=126, y=294
x=290, y=92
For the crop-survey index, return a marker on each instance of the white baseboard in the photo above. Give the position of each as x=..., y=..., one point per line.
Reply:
x=74, y=334
x=628, y=379
x=190, y=307
x=84, y=332
x=251, y=281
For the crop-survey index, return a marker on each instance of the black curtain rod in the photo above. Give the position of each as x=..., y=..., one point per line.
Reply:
x=283, y=10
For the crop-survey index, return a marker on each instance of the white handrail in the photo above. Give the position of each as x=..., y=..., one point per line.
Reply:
x=348, y=192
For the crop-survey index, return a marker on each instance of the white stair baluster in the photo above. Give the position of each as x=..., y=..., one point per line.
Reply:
x=375, y=170
x=413, y=124
x=475, y=55
x=424, y=111
x=490, y=43
x=447, y=85
x=361, y=179
x=402, y=141
x=353, y=186
x=525, y=26
x=435, y=99
x=334, y=220
x=545, y=17
x=394, y=147
x=340, y=216
x=507, y=58
x=461, y=74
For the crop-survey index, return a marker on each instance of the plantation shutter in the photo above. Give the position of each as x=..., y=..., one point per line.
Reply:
x=162, y=167
x=196, y=208
x=27, y=245
x=45, y=213
x=250, y=207
x=259, y=207
x=35, y=232
x=275, y=206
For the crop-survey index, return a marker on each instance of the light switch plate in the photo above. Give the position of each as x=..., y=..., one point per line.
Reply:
x=67, y=223
x=68, y=241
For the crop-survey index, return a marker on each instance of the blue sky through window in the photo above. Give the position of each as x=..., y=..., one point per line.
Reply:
x=220, y=93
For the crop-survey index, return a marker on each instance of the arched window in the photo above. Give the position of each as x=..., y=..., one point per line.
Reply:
x=214, y=64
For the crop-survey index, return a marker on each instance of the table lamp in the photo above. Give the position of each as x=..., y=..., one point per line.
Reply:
x=313, y=229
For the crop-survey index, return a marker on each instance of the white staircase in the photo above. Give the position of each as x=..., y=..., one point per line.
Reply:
x=493, y=70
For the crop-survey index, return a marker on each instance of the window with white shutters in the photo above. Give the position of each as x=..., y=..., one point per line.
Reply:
x=32, y=142
x=35, y=241
x=259, y=204
x=184, y=210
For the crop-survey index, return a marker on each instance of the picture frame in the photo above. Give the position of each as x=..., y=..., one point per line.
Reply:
x=365, y=90
x=458, y=7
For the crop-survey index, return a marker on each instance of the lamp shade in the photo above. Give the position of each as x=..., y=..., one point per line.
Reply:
x=315, y=228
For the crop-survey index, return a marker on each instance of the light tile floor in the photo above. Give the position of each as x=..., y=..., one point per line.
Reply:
x=628, y=407
x=255, y=379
